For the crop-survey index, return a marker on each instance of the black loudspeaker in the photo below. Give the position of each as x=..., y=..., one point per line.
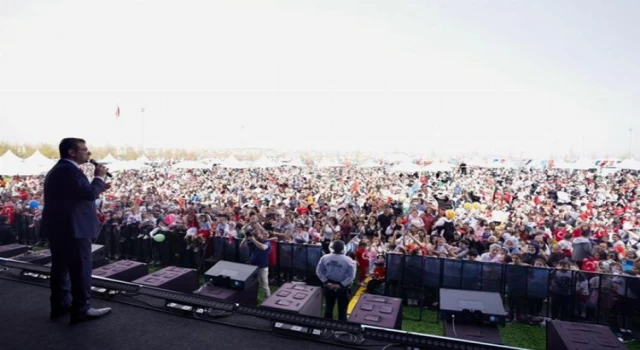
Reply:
x=123, y=270
x=11, y=250
x=98, y=252
x=563, y=335
x=173, y=278
x=41, y=257
x=472, y=307
x=227, y=274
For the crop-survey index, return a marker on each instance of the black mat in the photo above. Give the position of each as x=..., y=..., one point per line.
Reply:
x=25, y=324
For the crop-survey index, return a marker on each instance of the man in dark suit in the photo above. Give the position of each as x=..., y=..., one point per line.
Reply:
x=70, y=221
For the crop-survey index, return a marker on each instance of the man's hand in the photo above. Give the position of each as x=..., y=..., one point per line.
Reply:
x=107, y=187
x=100, y=171
x=332, y=286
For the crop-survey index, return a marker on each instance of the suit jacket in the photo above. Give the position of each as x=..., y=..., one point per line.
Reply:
x=69, y=203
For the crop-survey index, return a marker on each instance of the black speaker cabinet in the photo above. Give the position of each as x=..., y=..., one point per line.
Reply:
x=563, y=335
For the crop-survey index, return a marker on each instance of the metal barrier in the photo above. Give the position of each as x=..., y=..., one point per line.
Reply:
x=297, y=262
x=292, y=261
x=526, y=290
x=26, y=229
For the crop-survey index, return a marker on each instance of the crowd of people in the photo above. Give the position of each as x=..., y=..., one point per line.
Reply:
x=561, y=219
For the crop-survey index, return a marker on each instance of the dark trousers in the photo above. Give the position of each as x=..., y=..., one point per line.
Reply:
x=561, y=306
x=330, y=297
x=325, y=246
x=71, y=266
x=6, y=236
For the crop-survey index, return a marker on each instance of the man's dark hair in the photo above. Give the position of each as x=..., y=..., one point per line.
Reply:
x=68, y=144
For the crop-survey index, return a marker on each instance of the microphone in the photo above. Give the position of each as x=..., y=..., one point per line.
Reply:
x=93, y=161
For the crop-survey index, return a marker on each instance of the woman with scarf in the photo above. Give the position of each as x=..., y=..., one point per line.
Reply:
x=532, y=254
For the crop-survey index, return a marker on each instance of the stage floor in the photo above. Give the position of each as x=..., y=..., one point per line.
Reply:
x=25, y=324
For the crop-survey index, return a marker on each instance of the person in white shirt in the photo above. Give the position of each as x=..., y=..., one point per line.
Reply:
x=300, y=235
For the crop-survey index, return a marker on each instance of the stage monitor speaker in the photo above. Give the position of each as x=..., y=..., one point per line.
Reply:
x=232, y=275
x=470, y=306
x=123, y=270
x=40, y=257
x=98, y=252
x=11, y=250
x=173, y=278
x=296, y=298
x=562, y=335
x=247, y=297
x=376, y=310
x=485, y=333
x=98, y=256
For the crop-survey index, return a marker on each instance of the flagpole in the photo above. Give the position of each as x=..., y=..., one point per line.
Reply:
x=142, y=132
x=115, y=127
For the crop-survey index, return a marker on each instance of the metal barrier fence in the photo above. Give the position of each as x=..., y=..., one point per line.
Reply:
x=526, y=290
x=26, y=229
x=289, y=261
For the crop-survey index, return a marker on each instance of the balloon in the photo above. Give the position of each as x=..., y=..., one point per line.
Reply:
x=483, y=207
x=468, y=206
x=476, y=205
x=159, y=237
x=450, y=214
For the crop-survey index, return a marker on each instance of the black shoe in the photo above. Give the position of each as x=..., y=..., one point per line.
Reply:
x=59, y=313
x=91, y=314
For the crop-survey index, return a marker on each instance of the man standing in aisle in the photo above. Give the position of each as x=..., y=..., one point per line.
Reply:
x=70, y=221
x=259, y=248
x=337, y=272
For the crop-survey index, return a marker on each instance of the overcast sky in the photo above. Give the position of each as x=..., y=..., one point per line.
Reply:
x=531, y=78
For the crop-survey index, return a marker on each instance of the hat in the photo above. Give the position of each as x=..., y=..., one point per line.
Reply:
x=338, y=246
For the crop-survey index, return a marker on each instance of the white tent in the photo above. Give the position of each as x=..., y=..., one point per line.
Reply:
x=210, y=161
x=39, y=159
x=127, y=165
x=233, y=163
x=9, y=156
x=108, y=159
x=326, y=163
x=264, y=162
x=501, y=164
x=407, y=167
x=190, y=164
x=37, y=164
x=629, y=164
x=10, y=164
x=398, y=158
x=296, y=162
x=143, y=159
x=561, y=164
x=371, y=163
x=533, y=163
x=583, y=164
x=27, y=169
x=477, y=162
x=438, y=166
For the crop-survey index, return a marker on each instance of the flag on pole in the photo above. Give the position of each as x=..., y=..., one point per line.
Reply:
x=118, y=112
